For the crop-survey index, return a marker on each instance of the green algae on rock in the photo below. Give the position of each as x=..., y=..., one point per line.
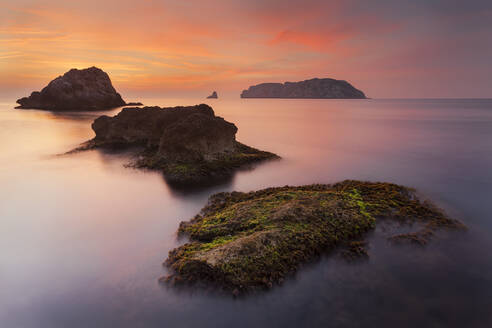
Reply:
x=249, y=241
x=204, y=171
x=189, y=144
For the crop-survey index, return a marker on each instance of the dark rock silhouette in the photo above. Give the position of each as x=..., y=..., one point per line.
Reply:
x=213, y=95
x=314, y=88
x=189, y=144
x=134, y=104
x=86, y=89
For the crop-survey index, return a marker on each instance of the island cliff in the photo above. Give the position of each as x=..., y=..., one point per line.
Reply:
x=314, y=88
x=87, y=89
x=189, y=144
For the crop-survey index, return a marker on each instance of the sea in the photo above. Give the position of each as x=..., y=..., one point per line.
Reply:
x=83, y=237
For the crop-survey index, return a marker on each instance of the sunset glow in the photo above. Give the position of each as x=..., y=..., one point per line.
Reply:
x=156, y=170
x=388, y=49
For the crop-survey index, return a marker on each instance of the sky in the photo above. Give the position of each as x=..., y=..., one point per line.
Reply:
x=387, y=48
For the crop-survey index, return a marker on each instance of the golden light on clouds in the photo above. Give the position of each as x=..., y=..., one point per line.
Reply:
x=196, y=45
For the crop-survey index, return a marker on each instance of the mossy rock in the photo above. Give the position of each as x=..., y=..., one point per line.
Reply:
x=209, y=171
x=249, y=241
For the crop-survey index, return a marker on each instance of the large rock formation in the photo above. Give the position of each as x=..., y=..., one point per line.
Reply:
x=213, y=95
x=86, y=89
x=190, y=144
x=314, y=88
x=247, y=241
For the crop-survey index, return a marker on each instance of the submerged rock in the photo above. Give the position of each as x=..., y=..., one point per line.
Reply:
x=355, y=250
x=213, y=95
x=86, y=89
x=314, y=88
x=248, y=241
x=189, y=144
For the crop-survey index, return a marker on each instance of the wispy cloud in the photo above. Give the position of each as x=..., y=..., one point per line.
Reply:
x=381, y=46
x=8, y=55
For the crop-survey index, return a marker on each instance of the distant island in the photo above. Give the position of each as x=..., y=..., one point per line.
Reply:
x=190, y=145
x=314, y=89
x=87, y=89
x=213, y=95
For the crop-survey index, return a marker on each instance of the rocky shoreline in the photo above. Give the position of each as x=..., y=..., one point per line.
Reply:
x=243, y=242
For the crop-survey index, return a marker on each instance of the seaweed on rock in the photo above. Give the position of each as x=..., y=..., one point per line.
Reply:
x=249, y=241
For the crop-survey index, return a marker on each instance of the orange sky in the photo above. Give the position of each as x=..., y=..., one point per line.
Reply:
x=402, y=49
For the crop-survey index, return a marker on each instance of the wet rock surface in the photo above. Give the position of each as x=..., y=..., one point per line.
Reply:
x=314, y=88
x=242, y=242
x=85, y=90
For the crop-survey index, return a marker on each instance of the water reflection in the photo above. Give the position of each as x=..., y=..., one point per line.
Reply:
x=83, y=237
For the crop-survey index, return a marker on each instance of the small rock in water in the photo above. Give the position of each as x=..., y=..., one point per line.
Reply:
x=355, y=250
x=213, y=95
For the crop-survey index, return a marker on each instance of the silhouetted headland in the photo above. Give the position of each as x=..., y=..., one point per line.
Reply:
x=314, y=88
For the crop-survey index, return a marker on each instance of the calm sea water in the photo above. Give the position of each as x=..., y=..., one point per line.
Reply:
x=82, y=238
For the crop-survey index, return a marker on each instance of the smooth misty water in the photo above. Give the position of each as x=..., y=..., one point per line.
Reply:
x=82, y=238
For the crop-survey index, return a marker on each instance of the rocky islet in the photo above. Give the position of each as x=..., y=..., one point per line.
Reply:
x=242, y=242
x=189, y=144
x=316, y=88
x=87, y=89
